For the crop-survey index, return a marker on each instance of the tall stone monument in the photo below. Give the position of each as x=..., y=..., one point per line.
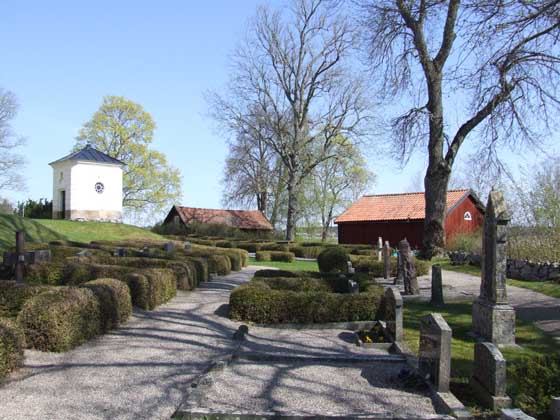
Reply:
x=386, y=261
x=493, y=318
x=407, y=269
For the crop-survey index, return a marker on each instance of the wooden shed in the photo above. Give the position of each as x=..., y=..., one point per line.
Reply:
x=246, y=220
x=396, y=216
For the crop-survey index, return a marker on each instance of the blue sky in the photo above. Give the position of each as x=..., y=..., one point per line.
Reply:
x=61, y=57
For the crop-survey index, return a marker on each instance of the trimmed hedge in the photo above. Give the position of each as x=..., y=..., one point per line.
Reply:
x=275, y=256
x=149, y=287
x=305, y=284
x=60, y=319
x=275, y=247
x=185, y=270
x=13, y=296
x=258, y=302
x=249, y=246
x=114, y=301
x=307, y=251
x=276, y=273
x=375, y=268
x=12, y=345
x=333, y=260
x=220, y=264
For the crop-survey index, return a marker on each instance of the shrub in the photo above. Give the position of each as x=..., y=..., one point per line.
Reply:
x=306, y=251
x=333, y=260
x=467, y=242
x=537, y=381
x=60, y=319
x=224, y=244
x=12, y=345
x=13, y=296
x=249, y=246
x=276, y=273
x=302, y=284
x=114, y=301
x=375, y=268
x=275, y=256
x=257, y=302
x=149, y=287
x=220, y=264
x=201, y=266
x=275, y=247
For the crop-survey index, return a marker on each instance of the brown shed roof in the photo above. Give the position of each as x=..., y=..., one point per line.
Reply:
x=242, y=219
x=393, y=207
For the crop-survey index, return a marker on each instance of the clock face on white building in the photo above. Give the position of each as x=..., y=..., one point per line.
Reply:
x=99, y=187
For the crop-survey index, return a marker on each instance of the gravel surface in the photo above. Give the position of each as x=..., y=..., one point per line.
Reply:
x=138, y=371
x=313, y=388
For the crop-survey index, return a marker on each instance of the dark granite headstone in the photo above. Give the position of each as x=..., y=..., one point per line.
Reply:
x=120, y=252
x=434, y=361
x=386, y=261
x=169, y=247
x=437, y=286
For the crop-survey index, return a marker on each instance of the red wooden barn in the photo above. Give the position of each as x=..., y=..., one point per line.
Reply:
x=396, y=216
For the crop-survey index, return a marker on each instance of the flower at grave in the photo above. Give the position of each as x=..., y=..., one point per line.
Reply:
x=368, y=339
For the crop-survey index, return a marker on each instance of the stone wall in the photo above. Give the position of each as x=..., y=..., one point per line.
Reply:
x=516, y=269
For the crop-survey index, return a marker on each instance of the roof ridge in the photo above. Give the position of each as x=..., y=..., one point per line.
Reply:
x=411, y=193
x=206, y=208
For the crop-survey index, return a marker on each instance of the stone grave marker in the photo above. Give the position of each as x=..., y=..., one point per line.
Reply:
x=437, y=286
x=84, y=253
x=554, y=410
x=386, y=261
x=407, y=269
x=187, y=245
x=434, y=362
x=489, y=376
x=394, y=313
x=379, y=248
x=493, y=317
x=20, y=255
x=120, y=252
x=169, y=247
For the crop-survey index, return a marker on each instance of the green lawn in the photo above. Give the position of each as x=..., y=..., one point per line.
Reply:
x=295, y=266
x=458, y=315
x=549, y=288
x=34, y=231
x=95, y=231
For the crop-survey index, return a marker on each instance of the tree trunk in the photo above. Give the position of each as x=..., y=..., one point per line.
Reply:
x=292, y=207
x=435, y=184
x=262, y=201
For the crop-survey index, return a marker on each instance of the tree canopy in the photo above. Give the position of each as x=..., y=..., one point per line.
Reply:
x=124, y=130
x=11, y=162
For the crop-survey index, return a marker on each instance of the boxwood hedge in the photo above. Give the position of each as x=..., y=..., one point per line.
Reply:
x=333, y=260
x=275, y=256
x=376, y=268
x=114, y=301
x=12, y=345
x=258, y=301
x=60, y=319
x=13, y=296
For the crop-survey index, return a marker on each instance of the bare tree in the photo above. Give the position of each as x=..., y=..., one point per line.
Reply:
x=495, y=63
x=291, y=72
x=253, y=174
x=11, y=163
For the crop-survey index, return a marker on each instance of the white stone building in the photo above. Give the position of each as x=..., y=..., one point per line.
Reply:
x=87, y=185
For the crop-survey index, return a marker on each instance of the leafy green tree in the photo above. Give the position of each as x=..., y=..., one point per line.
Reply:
x=124, y=130
x=335, y=183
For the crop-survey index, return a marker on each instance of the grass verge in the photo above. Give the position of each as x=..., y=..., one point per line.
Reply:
x=95, y=231
x=458, y=315
x=34, y=231
x=293, y=266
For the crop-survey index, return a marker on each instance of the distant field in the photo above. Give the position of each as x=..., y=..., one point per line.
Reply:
x=95, y=231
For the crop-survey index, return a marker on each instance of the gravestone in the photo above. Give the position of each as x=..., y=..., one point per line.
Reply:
x=30, y=257
x=379, y=248
x=187, y=246
x=394, y=313
x=554, y=410
x=84, y=253
x=353, y=287
x=407, y=269
x=351, y=270
x=434, y=362
x=386, y=261
x=169, y=247
x=399, y=280
x=20, y=255
x=437, y=286
x=120, y=252
x=514, y=414
x=489, y=376
x=492, y=317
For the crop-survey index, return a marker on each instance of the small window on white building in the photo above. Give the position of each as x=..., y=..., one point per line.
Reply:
x=467, y=215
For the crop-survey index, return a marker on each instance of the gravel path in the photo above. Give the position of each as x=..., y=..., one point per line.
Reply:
x=138, y=371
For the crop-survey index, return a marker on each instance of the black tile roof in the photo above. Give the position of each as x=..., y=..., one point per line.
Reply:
x=88, y=153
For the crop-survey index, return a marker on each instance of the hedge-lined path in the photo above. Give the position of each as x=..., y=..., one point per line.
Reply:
x=542, y=310
x=138, y=371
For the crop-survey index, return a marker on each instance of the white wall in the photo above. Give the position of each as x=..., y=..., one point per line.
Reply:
x=83, y=196
x=61, y=183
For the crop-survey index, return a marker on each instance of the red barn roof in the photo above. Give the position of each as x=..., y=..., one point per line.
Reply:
x=392, y=207
x=241, y=219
